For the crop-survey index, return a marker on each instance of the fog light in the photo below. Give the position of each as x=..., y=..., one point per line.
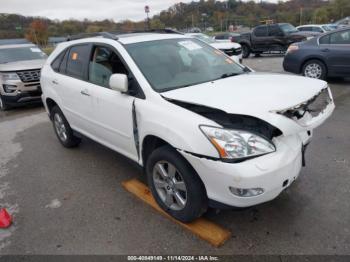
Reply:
x=9, y=88
x=246, y=192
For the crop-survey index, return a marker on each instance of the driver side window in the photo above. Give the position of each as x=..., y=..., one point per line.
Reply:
x=103, y=63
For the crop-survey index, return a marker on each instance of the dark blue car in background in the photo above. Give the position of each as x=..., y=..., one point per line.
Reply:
x=327, y=55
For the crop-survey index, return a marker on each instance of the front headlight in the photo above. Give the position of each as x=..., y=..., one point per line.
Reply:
x=9, y=76
x=237, y=144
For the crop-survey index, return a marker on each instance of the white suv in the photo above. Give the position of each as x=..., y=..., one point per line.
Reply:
x=208, y=131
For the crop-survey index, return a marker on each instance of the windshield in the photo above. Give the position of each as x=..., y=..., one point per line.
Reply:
x=176, y=63
x=204, y=38
x=20, y=54
x=288, y=28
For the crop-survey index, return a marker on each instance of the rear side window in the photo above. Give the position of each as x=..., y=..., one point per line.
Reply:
x=57, y=62
x=260, y=31
x=220, y=37
x=78, y=60
x=340, y=38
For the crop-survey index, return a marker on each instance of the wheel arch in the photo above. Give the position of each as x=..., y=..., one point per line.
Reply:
x=151, y=143
x=50, y=103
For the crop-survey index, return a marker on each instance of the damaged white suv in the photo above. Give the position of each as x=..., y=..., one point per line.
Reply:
x=208, y=131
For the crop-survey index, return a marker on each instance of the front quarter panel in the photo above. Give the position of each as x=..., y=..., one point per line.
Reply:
x=175, y=125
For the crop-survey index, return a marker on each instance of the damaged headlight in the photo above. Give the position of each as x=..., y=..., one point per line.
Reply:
x=237, y=144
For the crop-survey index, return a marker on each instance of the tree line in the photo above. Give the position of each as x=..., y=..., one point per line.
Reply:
x=210, y=13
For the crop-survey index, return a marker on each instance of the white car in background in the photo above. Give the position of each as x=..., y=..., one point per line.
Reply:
x=314, y=28
x=208, y=131
x=233, y=50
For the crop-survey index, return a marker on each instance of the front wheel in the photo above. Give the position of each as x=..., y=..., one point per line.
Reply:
x=175, y=185
x=245, y=51
x=3, y=105
x=63, y=130
x=315, y=69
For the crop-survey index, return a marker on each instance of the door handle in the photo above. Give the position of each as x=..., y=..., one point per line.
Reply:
x=55, y=82
x=325, y=50
x=85, y=92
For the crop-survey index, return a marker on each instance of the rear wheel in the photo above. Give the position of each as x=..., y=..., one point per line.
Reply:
x=63, y=130
x=245, y=51
x=3, y=105
x=175, y=185
x=315, y=69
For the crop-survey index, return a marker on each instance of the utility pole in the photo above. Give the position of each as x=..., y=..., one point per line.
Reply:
x=301, y=16
x=147, y=10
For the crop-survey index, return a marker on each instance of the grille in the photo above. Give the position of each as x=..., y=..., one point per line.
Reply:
x=233, y=51
x=29, y=76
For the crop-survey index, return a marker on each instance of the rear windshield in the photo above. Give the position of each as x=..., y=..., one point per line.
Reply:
x=9, y=55
x=288, y=28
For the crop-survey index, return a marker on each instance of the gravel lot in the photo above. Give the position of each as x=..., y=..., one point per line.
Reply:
x=71, y=201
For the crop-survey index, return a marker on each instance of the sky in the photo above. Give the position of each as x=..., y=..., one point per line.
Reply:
x=92, y=9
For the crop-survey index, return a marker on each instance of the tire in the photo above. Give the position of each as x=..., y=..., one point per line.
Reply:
x=315, y=69
x=245, y=51
x=63, y=130
x=3, y=105
x=184, y=184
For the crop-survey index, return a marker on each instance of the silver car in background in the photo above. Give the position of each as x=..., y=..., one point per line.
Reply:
x=20, y=66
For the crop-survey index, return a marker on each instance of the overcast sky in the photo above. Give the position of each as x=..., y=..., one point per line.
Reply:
x=91, y=9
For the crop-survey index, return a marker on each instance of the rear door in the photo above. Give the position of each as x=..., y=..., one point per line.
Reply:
x=73, y=88
x=336, y=48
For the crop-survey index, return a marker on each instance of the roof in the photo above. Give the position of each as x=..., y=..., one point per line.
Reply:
x=309, y=25
x=56, y=39
x=131, y=38
x=14, y=41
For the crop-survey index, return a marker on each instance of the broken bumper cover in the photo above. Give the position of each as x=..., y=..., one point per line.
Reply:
x=273, y=173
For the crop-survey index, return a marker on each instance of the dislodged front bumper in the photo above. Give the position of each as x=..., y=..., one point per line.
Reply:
x=272, y=172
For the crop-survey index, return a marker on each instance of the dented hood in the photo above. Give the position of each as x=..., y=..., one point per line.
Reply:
x=254, y=94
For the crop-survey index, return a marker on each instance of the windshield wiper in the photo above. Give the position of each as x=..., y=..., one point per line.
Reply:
x=229, y=75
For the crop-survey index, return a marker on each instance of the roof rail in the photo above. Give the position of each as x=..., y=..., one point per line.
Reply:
x=160, y=31
x=87, y=35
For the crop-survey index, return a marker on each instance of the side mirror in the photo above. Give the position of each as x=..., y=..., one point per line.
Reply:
x=119, y=82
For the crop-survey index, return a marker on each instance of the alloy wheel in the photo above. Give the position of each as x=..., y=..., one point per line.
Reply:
x=170, y=185
x=313, y=71
x=60, y=127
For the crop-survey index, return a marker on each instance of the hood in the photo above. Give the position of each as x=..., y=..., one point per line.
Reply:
x=22, y=65
x=253, y=94
x=225, y=45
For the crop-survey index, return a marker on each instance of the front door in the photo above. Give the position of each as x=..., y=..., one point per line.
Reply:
x=112, y=111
